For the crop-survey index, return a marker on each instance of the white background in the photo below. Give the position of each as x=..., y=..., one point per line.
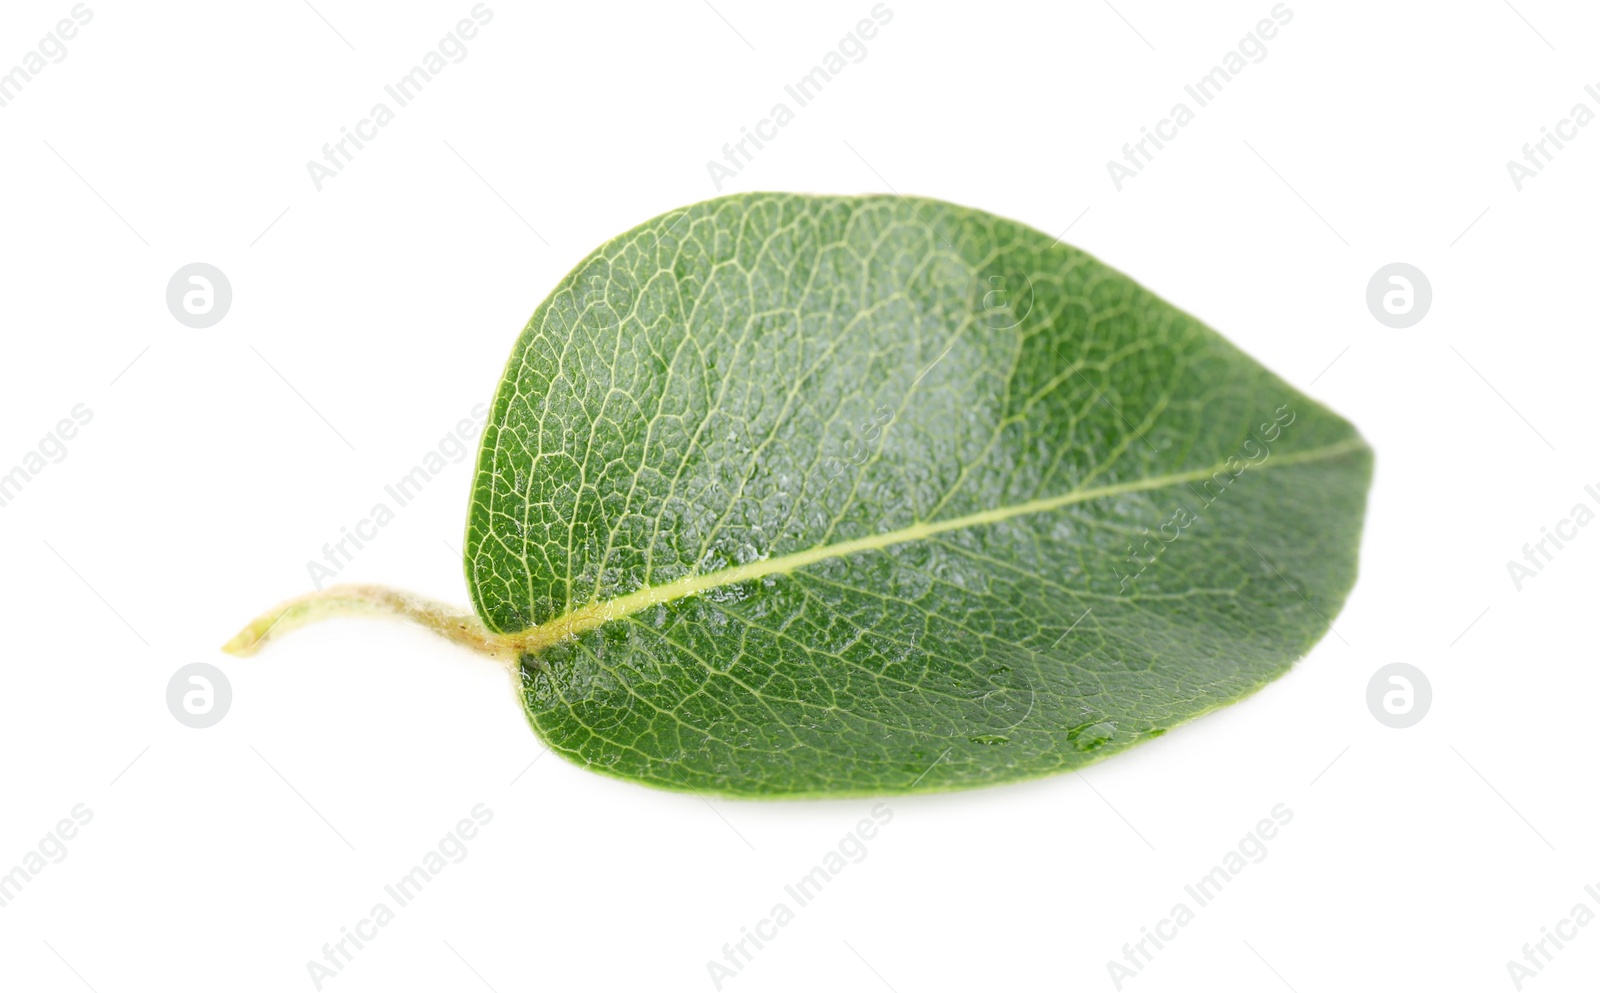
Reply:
x=375, y=314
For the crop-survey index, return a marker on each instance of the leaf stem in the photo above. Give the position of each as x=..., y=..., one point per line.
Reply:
x=456, y=624
x=463, y=627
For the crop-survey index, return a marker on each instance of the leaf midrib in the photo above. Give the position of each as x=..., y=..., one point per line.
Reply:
x=595, y=614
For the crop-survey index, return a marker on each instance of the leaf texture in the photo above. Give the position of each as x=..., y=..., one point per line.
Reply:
x=824, y=495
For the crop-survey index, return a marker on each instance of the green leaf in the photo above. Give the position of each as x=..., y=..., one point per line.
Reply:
x=811, y=496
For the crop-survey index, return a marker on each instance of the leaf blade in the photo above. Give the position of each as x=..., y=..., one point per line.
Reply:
x=664, y=460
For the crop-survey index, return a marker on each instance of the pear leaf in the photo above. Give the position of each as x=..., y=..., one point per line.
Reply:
x=795, y=496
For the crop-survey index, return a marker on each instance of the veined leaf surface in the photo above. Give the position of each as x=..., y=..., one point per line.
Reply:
x=812, y=495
